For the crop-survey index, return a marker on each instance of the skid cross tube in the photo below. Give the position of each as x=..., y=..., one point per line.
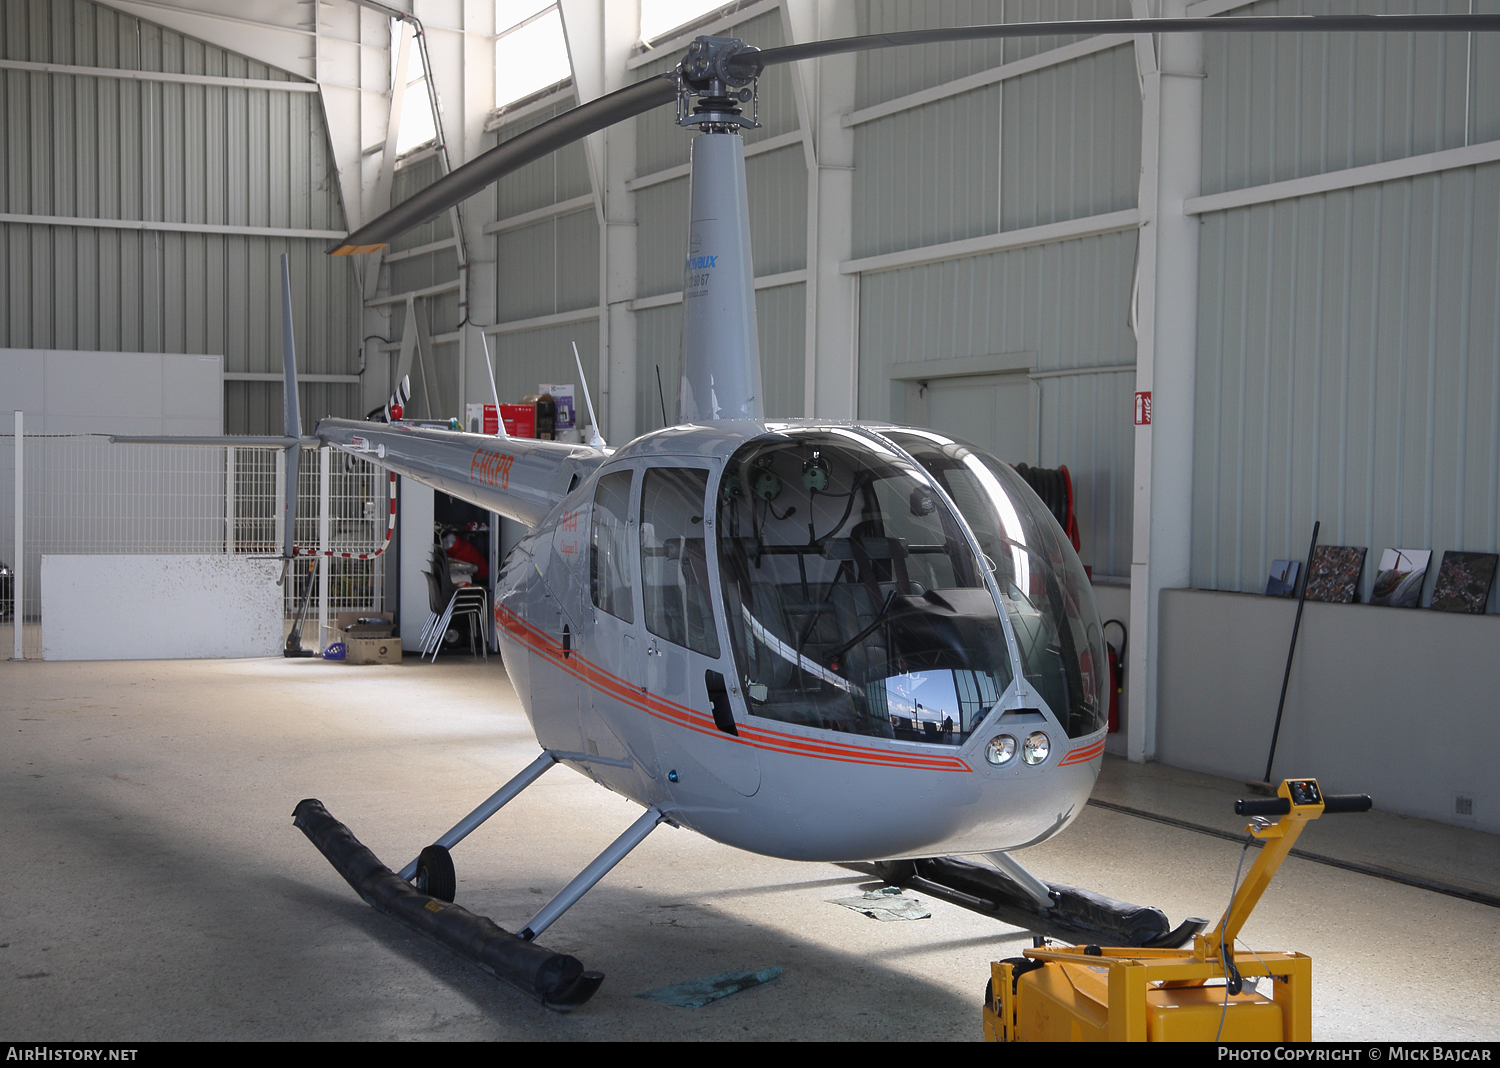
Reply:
x=493, y=804
x=506, y=794
x=1022, y=878
x=584, y=881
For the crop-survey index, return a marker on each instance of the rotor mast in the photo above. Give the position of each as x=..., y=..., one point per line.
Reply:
x=720, y=343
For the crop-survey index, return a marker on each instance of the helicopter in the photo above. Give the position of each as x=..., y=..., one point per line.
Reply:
x=815, y=640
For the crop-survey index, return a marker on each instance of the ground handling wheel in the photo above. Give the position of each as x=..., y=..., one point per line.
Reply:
x=435, y=876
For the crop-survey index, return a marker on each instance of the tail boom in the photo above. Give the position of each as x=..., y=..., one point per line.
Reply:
x=520, y=478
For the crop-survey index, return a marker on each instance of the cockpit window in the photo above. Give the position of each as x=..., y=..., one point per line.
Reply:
x=1042, y=583
x=609, y=561
x=854, y=601
x=674, y=563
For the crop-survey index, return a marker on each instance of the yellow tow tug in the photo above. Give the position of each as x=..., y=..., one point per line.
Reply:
x=1112, y=994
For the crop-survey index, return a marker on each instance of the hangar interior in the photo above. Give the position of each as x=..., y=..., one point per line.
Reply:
x=1287, y=244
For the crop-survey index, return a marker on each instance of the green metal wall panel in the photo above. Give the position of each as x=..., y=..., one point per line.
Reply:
x=1056, y=307
x=1279, y=106
x=1349, y=372
x=122, y=149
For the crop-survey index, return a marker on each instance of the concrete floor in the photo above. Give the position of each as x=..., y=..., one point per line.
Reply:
x=155, y=888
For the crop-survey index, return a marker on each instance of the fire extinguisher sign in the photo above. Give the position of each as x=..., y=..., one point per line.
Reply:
x=1143, y=409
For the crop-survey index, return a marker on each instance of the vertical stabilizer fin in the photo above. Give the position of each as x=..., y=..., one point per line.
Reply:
x=292, y=414
x=489, y=368
x=292, y=427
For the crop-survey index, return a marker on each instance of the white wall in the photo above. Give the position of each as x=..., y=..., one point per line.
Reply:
x=1398, y=703
x=69, y=392
x=414, y=528
x=159, y=607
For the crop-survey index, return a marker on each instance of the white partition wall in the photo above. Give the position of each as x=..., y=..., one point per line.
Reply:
x=159, y=607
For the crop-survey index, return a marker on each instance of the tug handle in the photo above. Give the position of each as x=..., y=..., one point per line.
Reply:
x=1280, y=806
x=1346, y=803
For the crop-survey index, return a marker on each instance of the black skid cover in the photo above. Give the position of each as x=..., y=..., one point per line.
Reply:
x=556, y=979
x=1079, y=916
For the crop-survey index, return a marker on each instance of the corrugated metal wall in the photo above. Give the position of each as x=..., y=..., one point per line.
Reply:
x=1059, y=143
x=888, y=73
x=550, y=266
x=658, y=345
x=1070, y=141
x=928, y=174
x=1279, y=106
x=525, y=360
x=1349, y=342
x=1065, y=306
x=112, y=148
x=661, y=236
x=434, y=372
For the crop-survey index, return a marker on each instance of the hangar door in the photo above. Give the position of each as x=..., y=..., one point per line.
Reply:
x=994, y=411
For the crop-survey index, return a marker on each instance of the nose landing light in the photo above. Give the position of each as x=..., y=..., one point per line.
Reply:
x=1001, y=748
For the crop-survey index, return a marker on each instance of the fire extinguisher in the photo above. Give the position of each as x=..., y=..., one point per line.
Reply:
x=1116, y=673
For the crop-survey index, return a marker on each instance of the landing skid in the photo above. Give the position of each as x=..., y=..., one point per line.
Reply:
x=555, y=979
x=421, y=894
x=1077, y=916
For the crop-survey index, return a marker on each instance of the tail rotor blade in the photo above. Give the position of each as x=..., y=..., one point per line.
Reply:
x=395, y=408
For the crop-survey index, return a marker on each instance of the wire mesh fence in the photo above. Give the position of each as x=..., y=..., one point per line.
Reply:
x=82, y=495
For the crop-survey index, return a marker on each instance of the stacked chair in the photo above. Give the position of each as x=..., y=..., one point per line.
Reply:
x=449, y=603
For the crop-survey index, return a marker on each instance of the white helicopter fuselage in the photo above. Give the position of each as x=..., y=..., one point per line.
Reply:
x=784, y=723
x=635, y=711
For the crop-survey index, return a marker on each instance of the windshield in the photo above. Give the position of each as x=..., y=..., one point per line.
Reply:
x=854, y=601
x=1046, y=593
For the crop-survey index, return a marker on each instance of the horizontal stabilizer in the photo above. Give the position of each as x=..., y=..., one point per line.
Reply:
x=556, y=979
x=209, y=439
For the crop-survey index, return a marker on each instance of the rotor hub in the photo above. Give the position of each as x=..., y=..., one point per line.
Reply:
x=713, y=81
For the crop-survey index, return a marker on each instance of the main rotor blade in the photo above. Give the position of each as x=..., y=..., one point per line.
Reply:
x=643, y=96
x=495, y=164
x=754, y=62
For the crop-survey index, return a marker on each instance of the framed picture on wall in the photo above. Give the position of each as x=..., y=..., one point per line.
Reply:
x=1283, y=579
x=1463, y=582
x=1399, y=581
x=1334, y=573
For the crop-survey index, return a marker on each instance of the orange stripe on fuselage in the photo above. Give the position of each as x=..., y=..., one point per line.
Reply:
x=775, y=741
x=1079, y=756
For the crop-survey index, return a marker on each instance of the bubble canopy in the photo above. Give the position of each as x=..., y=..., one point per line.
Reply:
x=856, y=601
x=1046, y=593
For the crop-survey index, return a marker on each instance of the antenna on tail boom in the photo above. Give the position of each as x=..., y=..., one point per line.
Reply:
x=596, y=439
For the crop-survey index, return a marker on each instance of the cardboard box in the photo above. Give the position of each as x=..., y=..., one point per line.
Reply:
x=348, y=625
x=562, y=396
x=482, y=418
x=372, y=650
x=519, y=420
